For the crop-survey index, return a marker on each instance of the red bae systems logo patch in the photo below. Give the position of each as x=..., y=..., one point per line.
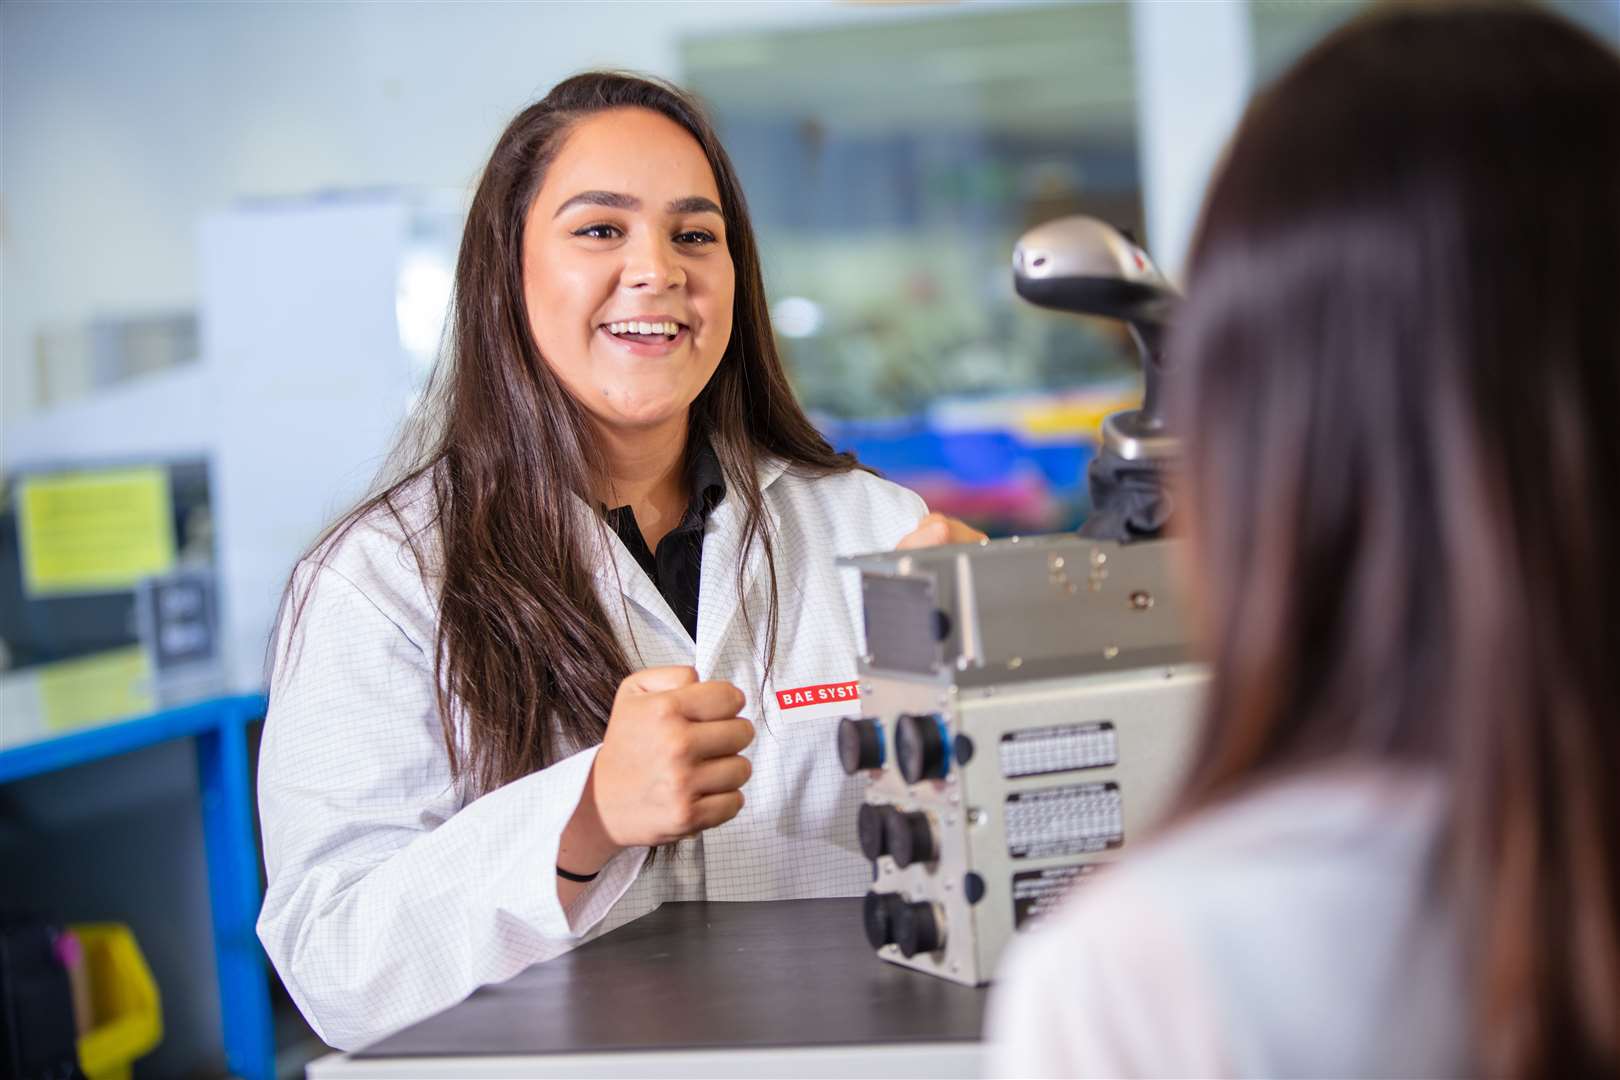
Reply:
x=825, y=694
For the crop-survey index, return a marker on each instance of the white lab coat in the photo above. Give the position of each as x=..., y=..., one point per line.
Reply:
x=392, y=895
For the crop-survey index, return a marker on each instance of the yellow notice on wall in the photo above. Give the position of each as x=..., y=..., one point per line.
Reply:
x=96, y=689
x=94, y=531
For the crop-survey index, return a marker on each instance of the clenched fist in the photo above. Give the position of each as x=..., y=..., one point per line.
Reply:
x=669, y=766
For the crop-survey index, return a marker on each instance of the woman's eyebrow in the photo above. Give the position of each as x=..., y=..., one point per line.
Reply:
x=600, y=198
x=690, y=204
x=693, y=204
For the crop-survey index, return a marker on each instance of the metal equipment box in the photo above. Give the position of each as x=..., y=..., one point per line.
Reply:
x=1028, y=710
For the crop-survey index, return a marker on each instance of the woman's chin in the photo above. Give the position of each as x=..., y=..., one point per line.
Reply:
x=635, y=416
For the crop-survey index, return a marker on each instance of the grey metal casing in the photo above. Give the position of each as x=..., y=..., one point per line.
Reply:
x=1060, y=660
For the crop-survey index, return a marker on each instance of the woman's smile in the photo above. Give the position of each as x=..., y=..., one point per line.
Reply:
x=647, y=335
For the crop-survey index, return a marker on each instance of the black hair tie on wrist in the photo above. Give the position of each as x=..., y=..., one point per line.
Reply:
x=569, y=875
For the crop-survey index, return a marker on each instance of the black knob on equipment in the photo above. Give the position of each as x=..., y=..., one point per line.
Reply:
x=860, y=744
x=919, y=744
x=910, y=838
x=871, y=826
x=879, y=912
x=972, y=887
x=916, y=929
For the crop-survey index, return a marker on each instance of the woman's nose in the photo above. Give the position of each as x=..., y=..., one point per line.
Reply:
x=650, y=264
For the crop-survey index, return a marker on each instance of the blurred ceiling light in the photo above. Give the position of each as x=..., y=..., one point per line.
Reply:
x=797, y=317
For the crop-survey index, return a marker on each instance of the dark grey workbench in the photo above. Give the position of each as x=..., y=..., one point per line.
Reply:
x=785, y=987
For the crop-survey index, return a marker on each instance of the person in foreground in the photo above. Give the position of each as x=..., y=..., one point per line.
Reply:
x=486, y=709
x=1398, y=852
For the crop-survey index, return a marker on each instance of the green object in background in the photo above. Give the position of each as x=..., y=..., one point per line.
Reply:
x=96, y=531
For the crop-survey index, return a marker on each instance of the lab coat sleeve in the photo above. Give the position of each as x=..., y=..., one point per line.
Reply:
x=388, y=899
x=1109, y=986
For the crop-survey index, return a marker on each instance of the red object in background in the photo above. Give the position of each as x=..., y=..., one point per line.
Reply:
x=1022, y=501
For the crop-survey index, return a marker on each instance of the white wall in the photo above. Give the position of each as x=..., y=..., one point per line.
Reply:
x=1193, y=72
x=122, y=124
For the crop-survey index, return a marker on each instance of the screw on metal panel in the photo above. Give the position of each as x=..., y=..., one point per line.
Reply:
x=1015, y=663
x=1098, y=557
x=952, y=690
x=1014, y=539
x=1141, y=599
x=976, y=816
x=962, y=663
x=904, y=565
x=1110, y=651
x=1057, y=562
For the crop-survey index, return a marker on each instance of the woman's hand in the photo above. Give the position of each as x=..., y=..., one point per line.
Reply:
x=939, y=529
x=670, y=766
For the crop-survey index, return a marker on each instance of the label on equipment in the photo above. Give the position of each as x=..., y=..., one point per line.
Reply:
x=1035, y=751
x=1064, y=821
x=1037, y=892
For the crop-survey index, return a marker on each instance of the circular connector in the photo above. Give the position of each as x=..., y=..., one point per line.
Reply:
x=919, y=747
x=910, y=838
x=860, y=744
x=917, y=929
x=872, y=827
x=879, y=913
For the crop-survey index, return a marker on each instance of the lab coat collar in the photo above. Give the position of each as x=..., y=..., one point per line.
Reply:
x=618, y=573
x=719, y=612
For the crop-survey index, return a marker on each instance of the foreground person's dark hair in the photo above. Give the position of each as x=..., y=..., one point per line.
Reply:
x=525, y=653
x=1401, y=389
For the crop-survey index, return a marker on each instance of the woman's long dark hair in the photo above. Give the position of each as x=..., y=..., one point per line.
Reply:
x=1401, y=389
x=526, y=659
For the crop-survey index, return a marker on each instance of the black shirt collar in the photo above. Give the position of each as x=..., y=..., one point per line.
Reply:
x=676, y=567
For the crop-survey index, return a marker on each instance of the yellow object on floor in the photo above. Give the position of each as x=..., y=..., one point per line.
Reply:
x=126, y=1012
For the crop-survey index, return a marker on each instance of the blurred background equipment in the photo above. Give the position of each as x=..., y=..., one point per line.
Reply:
x=889, y=168
x=1027, y=710
x=226, y=242
x=1085, y=266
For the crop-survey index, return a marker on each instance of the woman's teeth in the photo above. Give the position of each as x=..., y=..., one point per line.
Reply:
x=667, y=329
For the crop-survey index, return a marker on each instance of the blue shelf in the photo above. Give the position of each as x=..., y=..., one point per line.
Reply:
x=219, y=726
x=121, y=737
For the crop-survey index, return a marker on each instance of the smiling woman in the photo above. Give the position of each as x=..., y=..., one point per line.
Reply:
x=523, y=666
x=618, y=276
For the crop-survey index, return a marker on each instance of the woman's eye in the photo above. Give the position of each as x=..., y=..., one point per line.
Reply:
x=599, y=232
x=695, y=237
